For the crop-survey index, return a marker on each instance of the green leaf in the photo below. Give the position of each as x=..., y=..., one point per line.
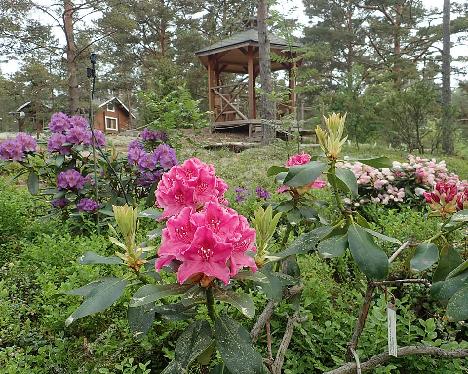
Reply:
x=377, y=162
x=100, y=298
x=304, y=243
x=273, y=289
x=176, y=311
x=257, y=277
x=140, y=319
x=449, y=260
x=333, y=247
x=460, y=216
x=150, y=213
x=459, y=269
x=304, y=174
x=425, y=256
x=150, y=293
x=234, y=345
x=347, y=179
x=33, y=183
x=370, y=258
x=193, y=342
x=94, y=258
x=274, y=170
x=241, y=301
x=308, y=212
x=446, y=289
x=457, y=308
x=59, y=160
x=89, y=288
x=383, y=237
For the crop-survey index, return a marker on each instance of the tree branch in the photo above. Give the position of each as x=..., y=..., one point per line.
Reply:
x=377, y=360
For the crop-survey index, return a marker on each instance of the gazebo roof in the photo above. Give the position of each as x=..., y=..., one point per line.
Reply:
x=233, y=52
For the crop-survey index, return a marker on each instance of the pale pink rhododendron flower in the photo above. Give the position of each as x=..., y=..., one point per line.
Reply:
x=203, y=237
x=191, y=184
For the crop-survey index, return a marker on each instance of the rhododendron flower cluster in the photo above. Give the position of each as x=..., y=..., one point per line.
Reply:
x=447, y=197
x=16, y=149
x=203, y=236
x=71, y=131
x=87, y=205
x=297, y=160
x=191, y=184
x=71, y=179
x=150, y=164
x=401, y=182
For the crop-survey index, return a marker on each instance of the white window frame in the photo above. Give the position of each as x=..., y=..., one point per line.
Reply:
x=110, y=128
x=113, y=107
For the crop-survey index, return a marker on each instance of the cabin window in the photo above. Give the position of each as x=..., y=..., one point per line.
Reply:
x=111, y=107
x=112, y=124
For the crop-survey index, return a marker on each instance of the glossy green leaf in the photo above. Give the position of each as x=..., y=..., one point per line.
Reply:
x=304, y=174
x=305, y=243
x=333, y=247
x=347, y=179
x=150, y=213
x=274, y=170
x=100, y=298
x=457, y=307
x=150, y=293
x=242, y=301
x=89, y=288
x=446, y=289
x=140, y=319
x=383, y=237
x=425, y=256
x=94, y=258
x=449, y=260
x=33, y=183
x=377, y=162
x=273, y=289
x=176, y=311
x=460, y=216
x=459, y=269
x=257, y=277
x=370, y=258
x=234, y=345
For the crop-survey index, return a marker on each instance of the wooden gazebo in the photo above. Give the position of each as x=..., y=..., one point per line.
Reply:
x=235, y=105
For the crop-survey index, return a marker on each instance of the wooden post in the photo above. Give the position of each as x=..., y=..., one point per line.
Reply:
x=250, y=69
x=292, y=87
x=211, y=98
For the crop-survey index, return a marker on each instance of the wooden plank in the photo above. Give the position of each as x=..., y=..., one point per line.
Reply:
x=229, y=104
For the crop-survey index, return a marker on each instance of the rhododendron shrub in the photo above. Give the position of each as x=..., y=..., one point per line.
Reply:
x=209, y=245
x=402, y=182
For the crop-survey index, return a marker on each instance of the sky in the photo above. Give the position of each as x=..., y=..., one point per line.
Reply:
x=293, y=9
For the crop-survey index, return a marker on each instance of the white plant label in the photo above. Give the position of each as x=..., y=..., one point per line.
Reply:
x=391, y=325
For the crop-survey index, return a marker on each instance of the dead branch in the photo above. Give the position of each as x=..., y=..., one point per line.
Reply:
x=398, y=251
x=377, y=360
x=402, y=281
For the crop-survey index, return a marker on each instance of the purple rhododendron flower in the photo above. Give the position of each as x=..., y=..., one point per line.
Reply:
x=166, y=156
x=79, y=121
x=149, y=135
x=87, y=205
x=27, y=142
x=78, y=135
x=262, y=193
x=70, y=180
x=148, y=178
x=147, y=161
x=56, y=144
x=11, y=150
x=241, y=194
x=59, y=122
x=100, y=138
x=60, y=203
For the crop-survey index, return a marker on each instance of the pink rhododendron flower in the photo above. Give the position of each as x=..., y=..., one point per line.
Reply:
x=191, y=184
x=205, y=255
x=445, y=198
x=298, y=159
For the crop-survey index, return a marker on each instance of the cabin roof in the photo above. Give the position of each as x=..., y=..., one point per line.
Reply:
x=115, y=98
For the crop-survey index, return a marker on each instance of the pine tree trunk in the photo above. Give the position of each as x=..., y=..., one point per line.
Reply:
x=267, y=106
x=73, y=91
x=446, y=132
